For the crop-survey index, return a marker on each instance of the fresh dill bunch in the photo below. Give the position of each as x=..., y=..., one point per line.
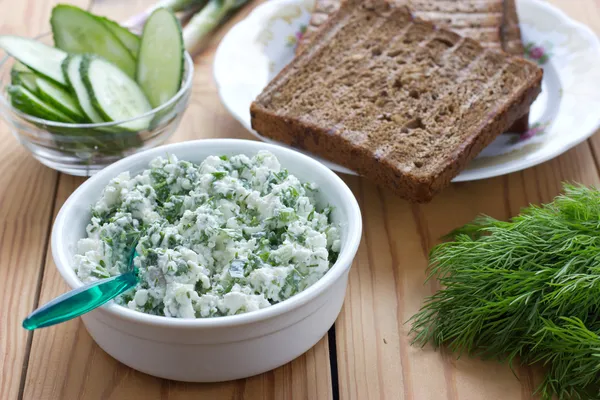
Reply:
x=525, y=291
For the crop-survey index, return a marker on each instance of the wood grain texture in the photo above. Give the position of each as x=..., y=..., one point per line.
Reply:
x=26, y=197
x=65, y=362
x=374, y=356
x=375, y=359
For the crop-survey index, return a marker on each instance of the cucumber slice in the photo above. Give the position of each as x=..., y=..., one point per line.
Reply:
x=65, y=71
x=114, y=94
x=128, y=38
x=27, y=102
x=59, y=99
x=20, y=67
x=72, y=69
x=77, y=31
x=25, y=78
x=160, y=60
x=44, y=60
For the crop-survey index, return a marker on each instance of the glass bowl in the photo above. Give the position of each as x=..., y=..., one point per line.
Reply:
x=83, y=149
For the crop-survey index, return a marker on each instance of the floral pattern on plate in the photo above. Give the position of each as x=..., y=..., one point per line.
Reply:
x=537, y=54
x=563, y=115
x=535, y=129
x=292, y=40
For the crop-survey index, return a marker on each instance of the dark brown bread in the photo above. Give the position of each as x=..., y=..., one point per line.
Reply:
x=404, y=103
x=322, y=11
x=493, y=23
x=478, y=19
x=511, y=33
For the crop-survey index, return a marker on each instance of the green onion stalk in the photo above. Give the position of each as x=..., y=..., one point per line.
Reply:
x=137, y=21
x=196, y=32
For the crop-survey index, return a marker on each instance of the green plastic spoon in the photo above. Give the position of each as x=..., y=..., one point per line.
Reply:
x=83, y=299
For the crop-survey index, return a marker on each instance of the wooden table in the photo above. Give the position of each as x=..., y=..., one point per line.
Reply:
x=366, y=356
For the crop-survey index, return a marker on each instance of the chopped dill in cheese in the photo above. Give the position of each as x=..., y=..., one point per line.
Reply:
x=228, y=236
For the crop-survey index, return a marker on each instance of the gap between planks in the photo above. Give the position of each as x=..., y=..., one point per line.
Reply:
x=335, y=384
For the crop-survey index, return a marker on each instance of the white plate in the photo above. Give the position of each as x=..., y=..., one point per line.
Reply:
x=565, y=113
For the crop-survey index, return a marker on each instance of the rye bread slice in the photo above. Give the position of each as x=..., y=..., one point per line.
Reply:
x=493, y=23
x=395, y=98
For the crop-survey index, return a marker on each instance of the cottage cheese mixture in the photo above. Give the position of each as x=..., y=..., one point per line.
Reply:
x=228, y=236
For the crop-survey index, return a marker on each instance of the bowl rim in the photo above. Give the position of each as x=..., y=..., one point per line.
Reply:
x=185, y=87
x=335, y=183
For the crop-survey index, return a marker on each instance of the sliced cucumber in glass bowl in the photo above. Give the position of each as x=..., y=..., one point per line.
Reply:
x=78, y=31
x=60, y=98
x=40, y=58
x=72, y=70
x=114, y=94
x=161, y=57
x=100, y=94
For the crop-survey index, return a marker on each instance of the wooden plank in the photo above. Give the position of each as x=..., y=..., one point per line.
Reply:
x=67, y=364
x=375, y=359
x=26, y=202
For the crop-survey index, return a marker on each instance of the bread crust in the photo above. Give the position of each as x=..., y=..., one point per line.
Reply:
x=323, y=140
x=318, y=140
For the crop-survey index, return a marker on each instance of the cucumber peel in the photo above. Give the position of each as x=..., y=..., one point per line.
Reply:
x=128, y=38
x=161, y=57
x=60, y=99
x=77, y=31
x=114, y=94
x=20, y=67
x=28, y=103
x=72, y=68
x=22, y=77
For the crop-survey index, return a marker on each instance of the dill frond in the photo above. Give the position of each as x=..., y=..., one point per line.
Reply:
x=525, y=291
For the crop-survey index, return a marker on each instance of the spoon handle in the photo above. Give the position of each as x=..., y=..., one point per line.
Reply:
x=79, y=301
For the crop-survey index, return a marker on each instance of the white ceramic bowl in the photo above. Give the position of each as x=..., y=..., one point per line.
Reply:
x=222, y=348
